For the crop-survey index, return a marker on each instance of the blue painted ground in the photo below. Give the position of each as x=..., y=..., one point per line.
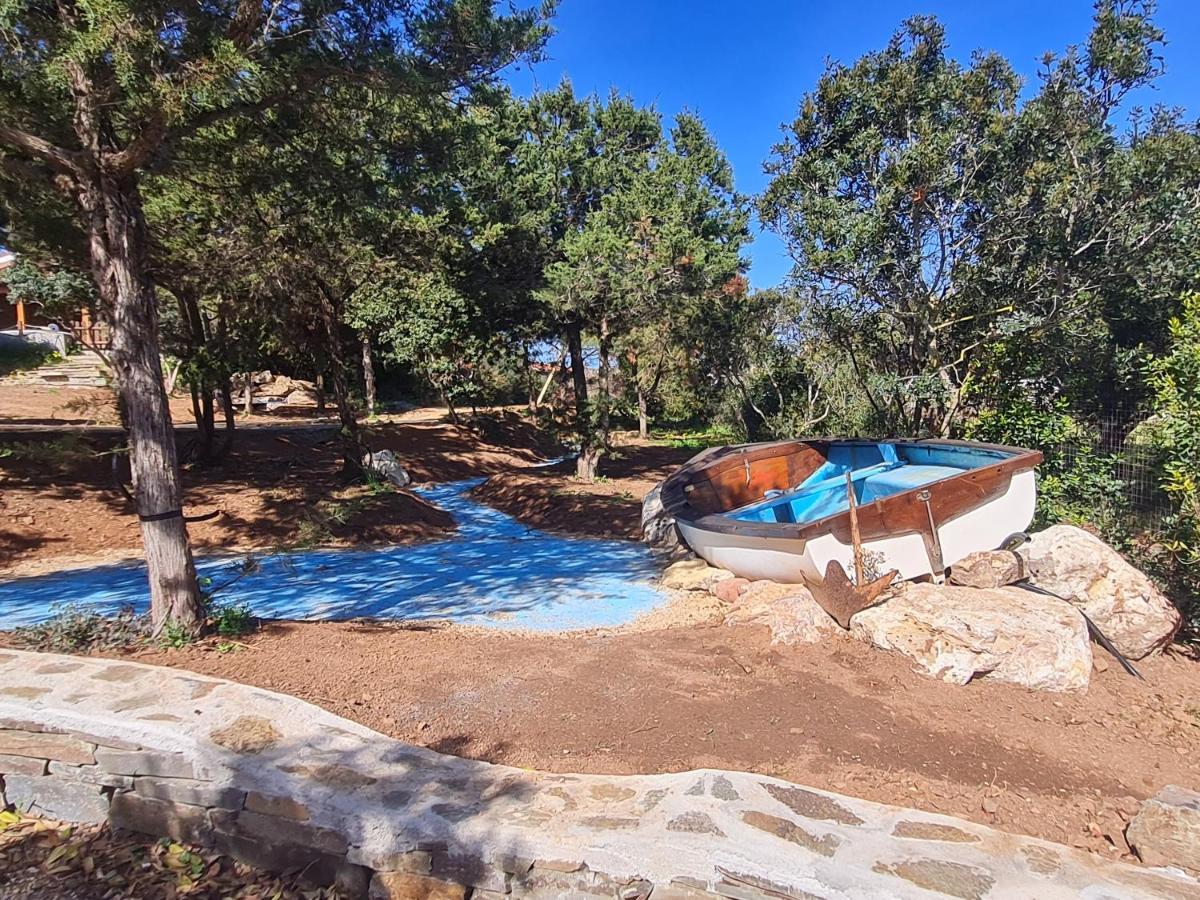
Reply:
x=494, y=571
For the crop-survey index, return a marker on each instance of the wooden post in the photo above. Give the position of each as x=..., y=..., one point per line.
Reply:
x=860, y=573
x=20, y=317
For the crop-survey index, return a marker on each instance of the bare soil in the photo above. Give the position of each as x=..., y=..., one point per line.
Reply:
x=679, y=690
x=553, y=499
x=280, y=486
x=838, y=715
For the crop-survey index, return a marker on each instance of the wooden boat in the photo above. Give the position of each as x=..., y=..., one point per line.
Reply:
x=782, y=511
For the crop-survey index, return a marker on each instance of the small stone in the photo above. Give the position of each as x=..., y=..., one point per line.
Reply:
x=1166, y=830
x=611, y=792
x=1099, y=663
x=1041, y=860
x=609, y=823
x=120, y=673
x=279, y=831
x=284, y=807
x=812, y=804
x=988, y=569
x=949, y=878
x=825, y=845
x=933, y=831
x=729, y=589
x=91, y=775
x=247, y=734
x=723, y=789
x=62, y=747
x=384, y=464
x=694, y=823
x=23, y=692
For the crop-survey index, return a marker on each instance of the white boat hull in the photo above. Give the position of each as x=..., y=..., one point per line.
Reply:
x=793, y=561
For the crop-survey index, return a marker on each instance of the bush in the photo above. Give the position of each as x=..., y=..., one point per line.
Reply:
x=1175, y=380
x=1076, y=483
x=74, y=629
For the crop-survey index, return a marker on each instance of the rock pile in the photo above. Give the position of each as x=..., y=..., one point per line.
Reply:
x=980, y=624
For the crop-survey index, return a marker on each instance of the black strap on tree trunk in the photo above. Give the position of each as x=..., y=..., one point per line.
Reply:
x=156, y=517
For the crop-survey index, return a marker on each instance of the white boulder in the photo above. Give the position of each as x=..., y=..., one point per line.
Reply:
x=1122, y=601
x=386, y=466
x=1005, y=634
x=788, y=610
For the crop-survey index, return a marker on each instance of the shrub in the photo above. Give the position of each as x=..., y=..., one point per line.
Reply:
x=1175, y=380
x=74, y=629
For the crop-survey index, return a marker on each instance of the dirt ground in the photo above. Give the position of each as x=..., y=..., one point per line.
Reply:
x=554, y=500
x=838, y=715
x=678, y=691
x=280, y=487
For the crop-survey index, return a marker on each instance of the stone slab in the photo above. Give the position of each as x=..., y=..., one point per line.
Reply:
x=62, y=747
x=57, y=798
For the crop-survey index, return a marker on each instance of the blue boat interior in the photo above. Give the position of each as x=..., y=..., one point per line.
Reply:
x=876, y=470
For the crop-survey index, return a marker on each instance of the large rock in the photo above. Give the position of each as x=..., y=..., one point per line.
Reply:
x=1006, y=634
x=384, y=464
x=988, y=569
x=788, y=610
x=1166, y=830
x=658, y=528
x=1122, y=601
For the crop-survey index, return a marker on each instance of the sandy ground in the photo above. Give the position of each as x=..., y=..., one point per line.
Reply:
x=838, y=715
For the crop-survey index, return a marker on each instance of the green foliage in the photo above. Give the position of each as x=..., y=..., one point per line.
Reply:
x=1077, y=484
x=56, y=453
x=23, y=357
x=59, y=294
x=77, y=629
x=1175, y=380
x=951, y=240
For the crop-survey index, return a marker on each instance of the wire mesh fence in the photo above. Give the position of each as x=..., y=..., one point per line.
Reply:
x=1117, y=443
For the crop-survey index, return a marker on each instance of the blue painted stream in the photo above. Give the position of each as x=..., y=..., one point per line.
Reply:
x=492, y=571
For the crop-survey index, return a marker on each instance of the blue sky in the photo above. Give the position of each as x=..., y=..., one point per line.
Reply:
x=743, y=66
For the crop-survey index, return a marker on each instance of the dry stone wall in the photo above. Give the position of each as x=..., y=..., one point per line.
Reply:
x=280, y=783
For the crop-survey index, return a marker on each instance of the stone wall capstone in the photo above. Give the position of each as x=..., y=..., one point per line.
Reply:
x=282, y=784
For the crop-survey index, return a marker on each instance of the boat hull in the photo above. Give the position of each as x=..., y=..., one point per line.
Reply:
x=782, y=511
x=796, y=561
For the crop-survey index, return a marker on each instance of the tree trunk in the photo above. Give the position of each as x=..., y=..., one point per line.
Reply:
x=451, y=412
x=248, y=396
x=352, y=448
x=319, y=385
x=643, y=417
x=368, y=373
x=122, y=246
x=227, y=411
x=589, y=457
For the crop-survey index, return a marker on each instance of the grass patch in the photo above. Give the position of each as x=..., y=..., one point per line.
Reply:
x=692, y=438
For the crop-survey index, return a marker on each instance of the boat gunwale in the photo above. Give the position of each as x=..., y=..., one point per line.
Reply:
x=676, y=504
